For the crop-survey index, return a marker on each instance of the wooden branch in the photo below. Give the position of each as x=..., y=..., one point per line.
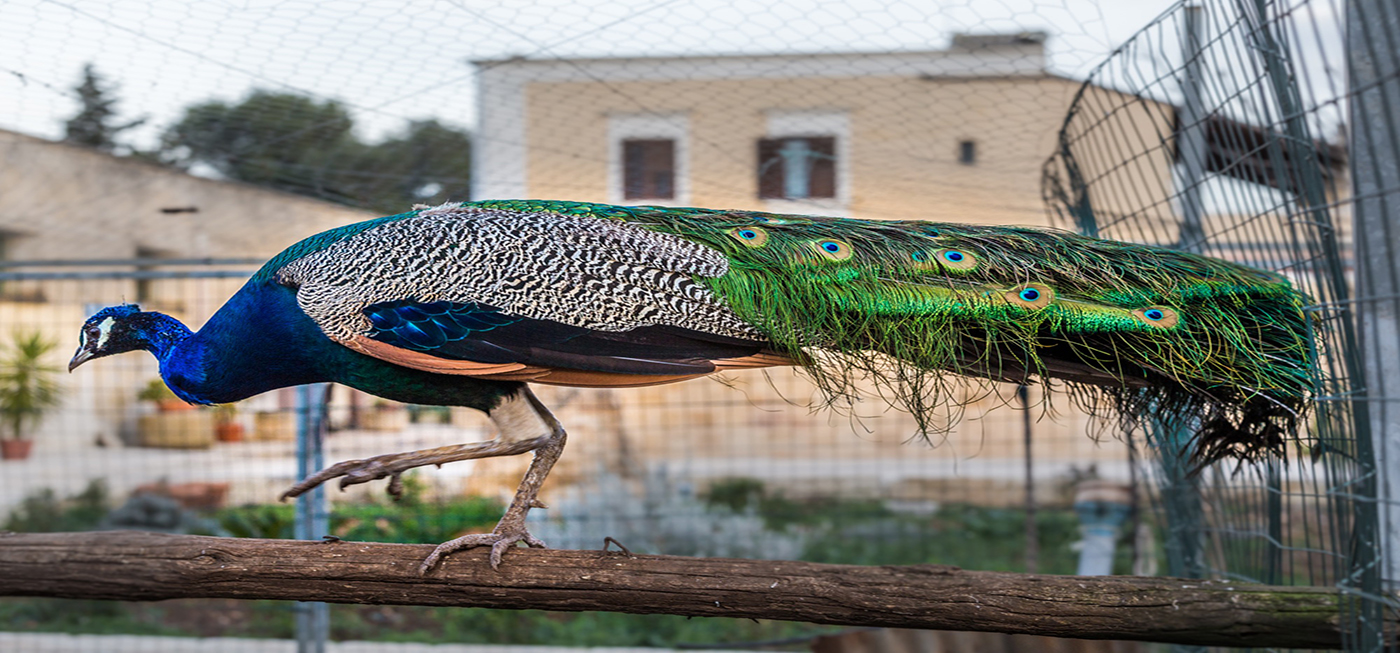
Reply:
x=129, y=565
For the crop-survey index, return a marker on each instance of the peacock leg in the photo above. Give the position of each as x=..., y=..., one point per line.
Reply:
x=511, y=528
x=354, y=472
x=524, y=424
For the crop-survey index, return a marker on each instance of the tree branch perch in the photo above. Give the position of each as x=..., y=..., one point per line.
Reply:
x=126, y=565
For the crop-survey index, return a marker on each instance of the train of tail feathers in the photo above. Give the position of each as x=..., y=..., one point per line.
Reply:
x=466, y=303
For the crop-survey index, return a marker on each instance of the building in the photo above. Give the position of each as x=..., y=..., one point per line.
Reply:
x=953, y=135
x=63, y=202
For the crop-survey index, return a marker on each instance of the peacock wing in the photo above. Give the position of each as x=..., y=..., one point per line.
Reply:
x=516, y=295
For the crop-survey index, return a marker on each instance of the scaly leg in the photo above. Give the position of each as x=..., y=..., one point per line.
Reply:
x=511, y=528
x=524, y=424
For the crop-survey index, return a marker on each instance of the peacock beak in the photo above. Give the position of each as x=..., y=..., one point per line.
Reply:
x=79, y=358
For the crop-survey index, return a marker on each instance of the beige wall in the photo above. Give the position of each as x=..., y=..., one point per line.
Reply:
x=61, y=201
x=903, y=151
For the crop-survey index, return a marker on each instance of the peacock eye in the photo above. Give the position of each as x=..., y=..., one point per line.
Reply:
x=1031, y=296
x=1157, y=316
x=751, y=236
x=832, y=249
x=957, y=259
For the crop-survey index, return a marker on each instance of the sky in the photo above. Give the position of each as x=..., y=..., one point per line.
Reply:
x=391, y=62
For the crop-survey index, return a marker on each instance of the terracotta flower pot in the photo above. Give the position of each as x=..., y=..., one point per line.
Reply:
x=228, y=432
x=173, y=405
x=15, y=449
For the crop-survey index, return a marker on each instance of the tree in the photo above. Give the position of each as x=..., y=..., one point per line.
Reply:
x=278, y=140
x=93, y=125
x=297, y=144
x=428, y=163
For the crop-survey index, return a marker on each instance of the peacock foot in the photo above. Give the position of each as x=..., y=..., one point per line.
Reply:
x=354, y=472
x=503, y=537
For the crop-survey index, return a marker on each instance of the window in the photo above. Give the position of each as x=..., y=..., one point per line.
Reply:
x=967, y=152
x=797, y=168
x=649, y=169
x=648, y=158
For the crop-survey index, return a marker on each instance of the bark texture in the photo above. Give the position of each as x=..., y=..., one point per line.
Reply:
x=124, y=565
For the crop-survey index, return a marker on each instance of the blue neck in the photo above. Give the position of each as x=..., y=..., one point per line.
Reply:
x=258, y=341
x=160, y=334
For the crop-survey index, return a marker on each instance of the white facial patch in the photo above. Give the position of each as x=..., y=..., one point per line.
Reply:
x=104, y=331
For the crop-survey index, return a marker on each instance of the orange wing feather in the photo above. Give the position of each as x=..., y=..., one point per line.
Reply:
x=552, y=376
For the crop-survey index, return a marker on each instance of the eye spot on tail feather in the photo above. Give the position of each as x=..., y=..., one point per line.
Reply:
x=1160, y=317
x=1035, y=296
x=956, y=259
x=750, y=236
x=832, y=249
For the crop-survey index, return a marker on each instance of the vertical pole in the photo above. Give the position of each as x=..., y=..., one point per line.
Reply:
x=312, y=516
x=1032, y=536
x=1181, y=491
x=1191, y=132
x=1373, y=57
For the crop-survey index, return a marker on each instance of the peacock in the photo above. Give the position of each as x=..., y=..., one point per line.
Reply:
x=466, y=304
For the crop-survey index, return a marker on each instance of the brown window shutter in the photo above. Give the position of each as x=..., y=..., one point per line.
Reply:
x=823, y=183
x=770, y=168
x=649, y=169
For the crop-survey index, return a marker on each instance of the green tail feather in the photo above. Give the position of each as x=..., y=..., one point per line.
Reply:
x=1157, y=334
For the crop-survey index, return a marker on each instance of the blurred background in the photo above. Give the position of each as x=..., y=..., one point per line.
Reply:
x=157, y=152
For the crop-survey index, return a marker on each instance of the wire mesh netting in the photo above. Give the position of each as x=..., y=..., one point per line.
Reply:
x=1234, y=129
x=158, y=152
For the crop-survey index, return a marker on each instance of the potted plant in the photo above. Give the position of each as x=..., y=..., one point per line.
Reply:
x=165, y=400
x=28, y=390
x=227, y=428
x=175, y=424
x=275, y=425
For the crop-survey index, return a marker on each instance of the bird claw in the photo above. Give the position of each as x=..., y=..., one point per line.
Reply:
x=501, y=539
x=353, y=472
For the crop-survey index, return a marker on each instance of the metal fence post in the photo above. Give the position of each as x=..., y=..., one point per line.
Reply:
x=312, y=515
x=1373, y=57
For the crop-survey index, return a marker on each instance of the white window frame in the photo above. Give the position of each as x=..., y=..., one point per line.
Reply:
x=638, y=126
x=815, y=123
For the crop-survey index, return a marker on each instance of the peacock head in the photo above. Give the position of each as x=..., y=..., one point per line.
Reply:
x=119, y=329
